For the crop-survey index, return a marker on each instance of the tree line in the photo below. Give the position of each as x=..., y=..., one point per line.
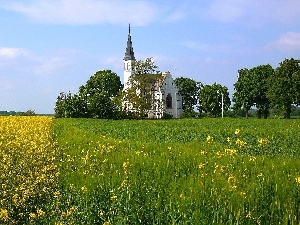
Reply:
x=263, y=87
x=267, y=88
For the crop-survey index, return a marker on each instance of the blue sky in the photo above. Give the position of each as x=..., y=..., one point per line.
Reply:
x=53, y=46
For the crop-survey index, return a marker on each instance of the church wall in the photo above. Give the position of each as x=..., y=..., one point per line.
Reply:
x=169, y=89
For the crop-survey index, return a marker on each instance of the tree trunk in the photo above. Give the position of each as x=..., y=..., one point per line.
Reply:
x=288, y=113
x=247, y=114
x=258, y=113
x=266, y=114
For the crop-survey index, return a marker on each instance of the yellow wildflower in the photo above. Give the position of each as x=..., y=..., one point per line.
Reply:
x=240, y=142
x=237, y=131
x=202, y=152
x=4, y=215
x=228, y=140
x=84, y=189
x=126, y=165
x=209, y=139
x=32, y=215
x=297, y=180
x=231, y=179
x=56, y=194
x=40, y=213
x=263, y=142
x=252, y=158
x=101, y=214
x=230, y=151
x=201, y=166
x=114, y=197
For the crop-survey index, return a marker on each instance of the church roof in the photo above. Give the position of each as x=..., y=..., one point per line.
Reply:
x=129, y=53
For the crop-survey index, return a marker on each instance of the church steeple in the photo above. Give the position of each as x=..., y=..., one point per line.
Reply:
x=129, y=53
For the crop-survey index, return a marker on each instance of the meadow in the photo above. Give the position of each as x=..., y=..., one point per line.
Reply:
x=204, y=171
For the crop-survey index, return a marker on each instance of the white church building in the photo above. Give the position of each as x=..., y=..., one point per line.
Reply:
x=166, y=93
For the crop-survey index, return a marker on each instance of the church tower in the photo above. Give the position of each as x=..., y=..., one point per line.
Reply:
x=128, y=60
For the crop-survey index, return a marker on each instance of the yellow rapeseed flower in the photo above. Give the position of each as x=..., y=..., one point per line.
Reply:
x=84, y=189
x=231, y=179
x=263, y=142
x=101, y=214
x=230, y=151
x=240, y=142
x=228, y=140
x=4, y=215
x=114, y=197
x=40, y=213
x=201, y=165
x=107, y=223
x=27, y=153
x=32, y=216
x=237, y=131
x=209, y=139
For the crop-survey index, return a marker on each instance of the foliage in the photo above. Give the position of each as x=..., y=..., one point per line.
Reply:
x=296, y=86
x=211, y=99
x=283, y=86
x=29, y=112
x=251, y=90
x=95, y=99
x=189, y=90
x=144, y=67
x=243, y=96
x=259, y=76
x=139, y=97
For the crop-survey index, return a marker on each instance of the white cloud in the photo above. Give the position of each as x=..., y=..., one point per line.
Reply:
x=286, y=42
x=46, y=66
x=255, y=12
x=87, y=11
x=23, y=61
x=11, y=53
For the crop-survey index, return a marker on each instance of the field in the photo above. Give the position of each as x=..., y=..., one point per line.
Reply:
x=206, y=171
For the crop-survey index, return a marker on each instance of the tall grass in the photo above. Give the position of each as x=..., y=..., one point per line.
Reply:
x=178, y=172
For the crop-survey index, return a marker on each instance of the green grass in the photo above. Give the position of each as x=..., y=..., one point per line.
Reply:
x=207, y=171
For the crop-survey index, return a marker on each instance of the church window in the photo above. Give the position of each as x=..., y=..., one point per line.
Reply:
x=169, y=101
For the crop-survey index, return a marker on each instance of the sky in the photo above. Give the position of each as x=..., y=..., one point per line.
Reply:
x=53, y=46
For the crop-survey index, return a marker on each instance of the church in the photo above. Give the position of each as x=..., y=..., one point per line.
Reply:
x=167, y=98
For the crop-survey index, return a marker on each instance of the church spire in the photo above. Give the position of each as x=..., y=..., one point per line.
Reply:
x=129, y=53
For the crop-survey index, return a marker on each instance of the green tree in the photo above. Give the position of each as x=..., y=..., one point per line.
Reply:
x=29, y=112
x=211, y=99
x=60, y=105
x=189, y=89
x=98, y=94
x=296, y=86
x=283, y=86
x=144, y=67
x=94, y=99
x=243, y=97
x=139, y=97
x=259, y=76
